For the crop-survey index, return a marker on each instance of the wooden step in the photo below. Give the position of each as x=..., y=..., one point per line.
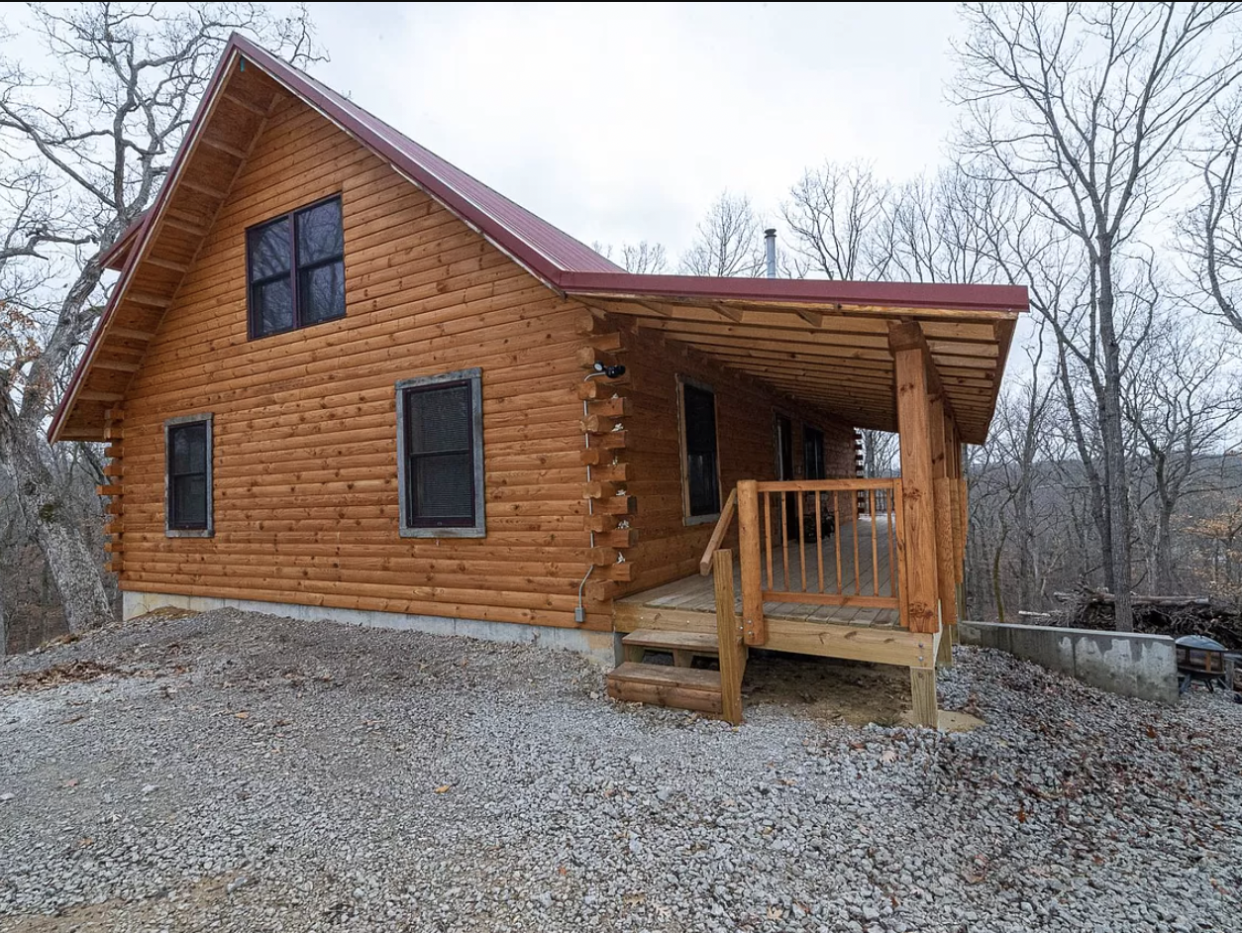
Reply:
x=656, y=640
x=678, y=687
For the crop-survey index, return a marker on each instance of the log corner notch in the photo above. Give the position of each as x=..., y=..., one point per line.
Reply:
x=113, y=433
x=610, y=509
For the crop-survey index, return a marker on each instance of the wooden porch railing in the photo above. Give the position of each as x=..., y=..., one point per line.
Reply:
x=840, y=543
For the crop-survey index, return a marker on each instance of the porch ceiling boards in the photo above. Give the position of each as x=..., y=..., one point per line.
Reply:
x=828, y=342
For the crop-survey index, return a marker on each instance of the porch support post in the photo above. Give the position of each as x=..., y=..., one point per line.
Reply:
x=946, y=554
x=754, y=626
x=918, y=499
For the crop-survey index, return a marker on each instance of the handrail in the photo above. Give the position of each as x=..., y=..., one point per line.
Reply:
x=718, y=534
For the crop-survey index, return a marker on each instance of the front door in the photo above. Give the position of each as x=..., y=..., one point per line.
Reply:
x=785, y=471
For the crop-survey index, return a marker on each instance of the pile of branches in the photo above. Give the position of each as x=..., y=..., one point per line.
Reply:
x=1157, y=615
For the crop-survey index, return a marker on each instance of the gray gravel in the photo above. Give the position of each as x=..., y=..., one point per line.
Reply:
x=248, y=773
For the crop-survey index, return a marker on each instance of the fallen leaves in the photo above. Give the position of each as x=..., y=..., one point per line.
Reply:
x=60, y=674
x=444, y=788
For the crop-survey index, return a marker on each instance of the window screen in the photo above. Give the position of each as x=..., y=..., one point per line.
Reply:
x=296, y=269
x=188, y=502
x=441, y=454
x=702, y=475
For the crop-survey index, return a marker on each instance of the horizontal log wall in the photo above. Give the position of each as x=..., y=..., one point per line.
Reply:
x=746, y=411
x=305, y=471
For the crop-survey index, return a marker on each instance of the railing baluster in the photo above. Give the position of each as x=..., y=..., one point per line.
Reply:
x=836, y=537
x=819, y=538
x=875, y=545
x=767, y=535
x=785, y=539
x=857, y=575
x=801, y=501
x=892, y=533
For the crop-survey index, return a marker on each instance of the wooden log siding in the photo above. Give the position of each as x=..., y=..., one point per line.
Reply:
x=306, y=504
x=667, y=548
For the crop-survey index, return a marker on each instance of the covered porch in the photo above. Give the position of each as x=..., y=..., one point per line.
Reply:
x=861, y=568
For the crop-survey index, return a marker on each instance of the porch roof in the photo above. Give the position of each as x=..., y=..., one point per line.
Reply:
x=827, y=342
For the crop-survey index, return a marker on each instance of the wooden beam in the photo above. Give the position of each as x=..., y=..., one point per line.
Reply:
x=202, y=189
x=732, y=314
x=814, y=318
x=755, y=631
x=222, y=146
x=854, y=643
x=946, y=583
x=167, y=264
x=730, y=648
x=128, y=333
x=91, y=395
x=117, y=365
x=184, y=226
x=246, y=105
x=146, y=298
x=918, y=502
x=923, y=693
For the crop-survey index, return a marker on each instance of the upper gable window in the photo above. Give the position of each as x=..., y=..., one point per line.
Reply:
x=296, y=269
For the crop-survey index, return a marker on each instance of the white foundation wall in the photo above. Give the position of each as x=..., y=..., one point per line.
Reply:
x=596, y=645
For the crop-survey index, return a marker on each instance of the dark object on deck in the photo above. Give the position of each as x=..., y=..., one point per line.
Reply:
x=1200, y=658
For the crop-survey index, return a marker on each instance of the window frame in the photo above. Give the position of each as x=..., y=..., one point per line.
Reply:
x=295, y=269
x=684, y=453
x=172, y=530
x=408, y=528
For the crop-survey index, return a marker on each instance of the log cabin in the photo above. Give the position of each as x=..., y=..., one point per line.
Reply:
x=338, y=377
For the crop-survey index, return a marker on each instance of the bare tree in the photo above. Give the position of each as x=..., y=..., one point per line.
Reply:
x=1084, y=109
x=728, y=241
x=1179, y=404
x=1212, y=231
x=835, y=214
x=641, y=258
x=89, y=139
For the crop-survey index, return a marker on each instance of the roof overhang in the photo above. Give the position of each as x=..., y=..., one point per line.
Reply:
x=826, y=342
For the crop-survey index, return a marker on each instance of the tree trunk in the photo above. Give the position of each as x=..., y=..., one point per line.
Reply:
x=1112, y=436
x=54, y=521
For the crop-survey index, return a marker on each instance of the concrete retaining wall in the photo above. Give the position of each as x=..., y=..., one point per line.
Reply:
x=1143, y=666
x=596, y=645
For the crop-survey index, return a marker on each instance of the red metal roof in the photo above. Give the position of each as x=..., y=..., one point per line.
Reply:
x=559, y=259
x=540, y=246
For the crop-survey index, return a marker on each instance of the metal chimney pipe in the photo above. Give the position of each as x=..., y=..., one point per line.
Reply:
x=769, y=245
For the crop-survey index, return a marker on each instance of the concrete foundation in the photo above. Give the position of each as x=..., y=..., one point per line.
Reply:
x=1143, y=666
x=596, y=645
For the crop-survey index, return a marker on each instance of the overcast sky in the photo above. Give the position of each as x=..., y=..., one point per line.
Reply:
x=619, y=123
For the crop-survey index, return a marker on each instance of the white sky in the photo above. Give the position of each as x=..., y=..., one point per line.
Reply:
x=624, y=122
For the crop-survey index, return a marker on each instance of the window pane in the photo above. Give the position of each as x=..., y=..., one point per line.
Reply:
x=273, y=307
x=443, y=487
x=190, y=501
x=321, y=293
x=319, y=233
x=704, y=489
x=269, y=250
x=189, y=448
x=439, y=419
x=700, y=420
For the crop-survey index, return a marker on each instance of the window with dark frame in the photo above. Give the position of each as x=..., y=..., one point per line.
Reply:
x=699, y=438
x=295, y=265
x=813, y=452
x=189, y=475
x=441, y=455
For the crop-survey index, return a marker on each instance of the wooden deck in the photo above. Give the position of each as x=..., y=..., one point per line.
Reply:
x=696, y=593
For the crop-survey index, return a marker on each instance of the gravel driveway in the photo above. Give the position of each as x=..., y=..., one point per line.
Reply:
x=240, y=772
